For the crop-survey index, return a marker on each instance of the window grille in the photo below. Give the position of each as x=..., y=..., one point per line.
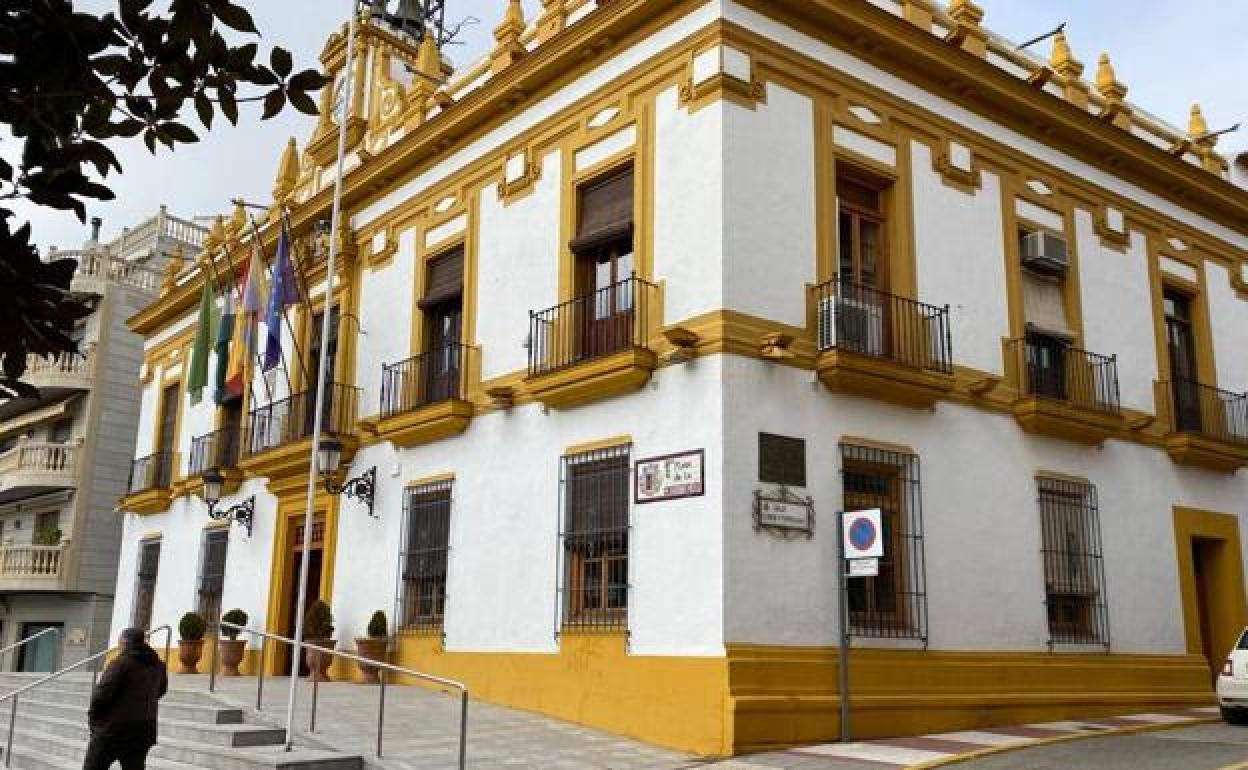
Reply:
x=145, y=584
x=893, y=604
x=211, y=581
x=594, y=539
x=1074, y=576
x=426, y=543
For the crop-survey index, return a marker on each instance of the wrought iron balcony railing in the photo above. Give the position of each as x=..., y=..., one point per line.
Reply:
x=422, y=380
x=610, y=320
x=294, y=418
x=864, y=320
x=218, y=449
x=1060, y=372
x=152, y=472
x=1207, y=411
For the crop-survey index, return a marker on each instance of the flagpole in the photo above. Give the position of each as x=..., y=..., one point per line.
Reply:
x=318, y=419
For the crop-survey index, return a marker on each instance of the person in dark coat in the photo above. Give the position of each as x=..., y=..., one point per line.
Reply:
x=124, y=703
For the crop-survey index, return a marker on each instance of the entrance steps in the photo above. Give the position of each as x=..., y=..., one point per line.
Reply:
x=197, y=731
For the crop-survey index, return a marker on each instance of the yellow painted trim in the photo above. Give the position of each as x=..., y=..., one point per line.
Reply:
x=886, y=380
x=1065, y=420
x=594, y=380
x=884, y=446
x=625, y=439
x=430, y=480
x=430, y=423
x=1229, y=609
x=147, y=502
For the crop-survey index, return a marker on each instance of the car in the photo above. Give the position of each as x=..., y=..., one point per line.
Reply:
x=1233, y=684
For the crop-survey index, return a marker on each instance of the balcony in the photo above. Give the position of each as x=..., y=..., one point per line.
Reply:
x=1206, y=427
x=277, y=437
x=422, y=398
x=151, y=478
x=1063, y=391
x=65, y=372
x=31, y=567
x=879, y=345
x=31, y=469
x=592, y=347
x=218, y=451
x=97, y=269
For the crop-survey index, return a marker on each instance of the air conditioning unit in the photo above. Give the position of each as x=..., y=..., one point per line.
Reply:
x=1045, y=253
x=853, y=324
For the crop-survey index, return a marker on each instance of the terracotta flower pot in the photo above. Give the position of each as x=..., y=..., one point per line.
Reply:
x=373, y=648
x=189, y=653
x=231, y=655
x=319, y=662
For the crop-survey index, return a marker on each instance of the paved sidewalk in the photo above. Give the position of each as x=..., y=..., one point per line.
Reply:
x=943, y=748
x=421, y=733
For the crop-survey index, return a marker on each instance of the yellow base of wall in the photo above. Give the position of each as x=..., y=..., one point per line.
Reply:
x=761, y=697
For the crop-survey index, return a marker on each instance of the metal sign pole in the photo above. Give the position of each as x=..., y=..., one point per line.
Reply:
x=842, y=583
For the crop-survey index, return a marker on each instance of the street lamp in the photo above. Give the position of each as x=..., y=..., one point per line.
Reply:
x=243, y=513
x=328, y=460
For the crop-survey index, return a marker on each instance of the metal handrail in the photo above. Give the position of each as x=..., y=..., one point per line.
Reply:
x=8, y=749
x=382, y=668
x=29, y=639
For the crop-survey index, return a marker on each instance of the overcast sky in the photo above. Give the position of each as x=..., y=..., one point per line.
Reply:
x=1169, y=53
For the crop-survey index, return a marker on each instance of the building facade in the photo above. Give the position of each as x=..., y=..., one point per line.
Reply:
x=628, y=312
x=64, y=455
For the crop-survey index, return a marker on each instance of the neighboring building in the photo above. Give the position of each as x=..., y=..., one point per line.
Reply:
x=849, y=252
x=64, y=456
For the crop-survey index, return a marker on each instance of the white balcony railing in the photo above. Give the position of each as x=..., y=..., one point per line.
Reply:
x=40, y=458
x=31, y=561
x=64, y=366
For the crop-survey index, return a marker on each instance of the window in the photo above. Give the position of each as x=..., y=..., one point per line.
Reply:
x=595, y=539
x=442, y=308
x=781, y=460
x=62, y=431
x=163, y=461
x=894, y=603
x=427, y=524
x=604, y=264
x=1181, y=342
x=212, y=575
x=861, y=227
x=1046, y=363
x=1073, y=571
x=145, y=584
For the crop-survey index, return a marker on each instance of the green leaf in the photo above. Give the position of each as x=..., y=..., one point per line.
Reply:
x=273, y=103
x=203, y=106
x=236, y=17
x=304, y=103
x=178, y=132
x=281, y=62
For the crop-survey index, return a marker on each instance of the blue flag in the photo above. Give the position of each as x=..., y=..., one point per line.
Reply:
x=284, y=294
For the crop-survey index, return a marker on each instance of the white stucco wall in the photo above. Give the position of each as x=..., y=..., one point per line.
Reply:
x=984, y=574
x=959, y=247
x=1118, y=309
x=689, y=206
x=1230, y=329
x=501, y=593
x=769, y=206
x=517, y=267
x=385, y=321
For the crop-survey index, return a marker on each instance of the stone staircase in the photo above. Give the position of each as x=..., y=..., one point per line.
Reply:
x=197, y=731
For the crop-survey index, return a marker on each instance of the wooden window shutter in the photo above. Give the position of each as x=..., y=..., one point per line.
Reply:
x=606, y=212
x=445, y=278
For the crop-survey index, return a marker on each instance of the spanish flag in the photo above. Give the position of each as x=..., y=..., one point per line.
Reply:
x=243, y=346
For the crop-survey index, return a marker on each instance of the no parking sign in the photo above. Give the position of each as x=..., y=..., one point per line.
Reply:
x=862, y=534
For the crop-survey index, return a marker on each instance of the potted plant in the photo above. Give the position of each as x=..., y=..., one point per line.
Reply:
x=318, y=630
x=47, y=536
x=373, y=646
x=191, y=641
x=232, y=648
